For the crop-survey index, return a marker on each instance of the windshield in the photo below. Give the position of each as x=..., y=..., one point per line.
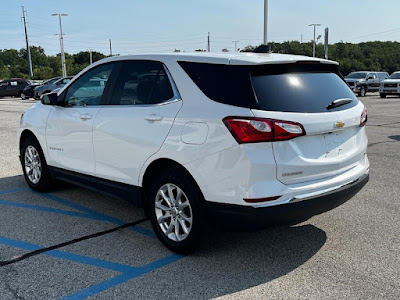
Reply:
x=51, y=81
x=357, y=75
x=394, y=76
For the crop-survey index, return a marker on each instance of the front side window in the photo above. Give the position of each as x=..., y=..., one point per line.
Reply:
x=142, y=83
x=85, y=91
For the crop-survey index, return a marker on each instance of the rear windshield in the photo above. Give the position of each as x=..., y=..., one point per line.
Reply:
x=285, y=87
x=301, y=92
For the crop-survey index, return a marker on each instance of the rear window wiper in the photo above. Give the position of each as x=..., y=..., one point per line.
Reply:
x=338, y=102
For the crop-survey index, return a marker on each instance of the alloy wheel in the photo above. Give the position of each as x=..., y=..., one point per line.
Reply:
x=173, y=212
x=33, y=166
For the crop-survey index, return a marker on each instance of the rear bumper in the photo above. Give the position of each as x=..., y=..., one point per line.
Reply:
x=248, y=218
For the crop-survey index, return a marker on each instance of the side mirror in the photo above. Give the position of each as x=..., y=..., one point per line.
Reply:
x=370, y=77
x=49, y=99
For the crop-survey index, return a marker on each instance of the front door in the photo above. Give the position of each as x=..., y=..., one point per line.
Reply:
x=69, y=130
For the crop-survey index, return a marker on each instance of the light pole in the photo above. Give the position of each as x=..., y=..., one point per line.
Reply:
x=315, y=25
x=64, y=69
x=90, y=56
x=235, y=45
x=265, y=22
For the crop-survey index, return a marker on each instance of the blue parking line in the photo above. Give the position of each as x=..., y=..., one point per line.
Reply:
x=14, y=190
x=69, y=256
x=48, y=209
x=128, y=272
x=105, y=285
x=98, y=215
x=88, y=213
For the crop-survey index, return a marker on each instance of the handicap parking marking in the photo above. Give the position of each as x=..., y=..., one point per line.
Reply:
x=127, y=272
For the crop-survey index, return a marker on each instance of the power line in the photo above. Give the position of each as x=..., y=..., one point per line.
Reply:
x=378, y=33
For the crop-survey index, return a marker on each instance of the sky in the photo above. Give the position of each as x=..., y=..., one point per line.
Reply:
x=140, y=26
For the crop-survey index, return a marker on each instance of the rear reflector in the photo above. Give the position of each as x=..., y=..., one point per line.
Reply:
x=258, y=200
x=256, y=130
x=364, y=117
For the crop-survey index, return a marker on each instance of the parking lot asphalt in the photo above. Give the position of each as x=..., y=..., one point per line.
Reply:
x=66, y=245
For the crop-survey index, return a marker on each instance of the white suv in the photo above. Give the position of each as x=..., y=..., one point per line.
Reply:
x=237, y=140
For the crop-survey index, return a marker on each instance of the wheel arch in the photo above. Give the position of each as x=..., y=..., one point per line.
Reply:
x=24, y=135
x=156, y=167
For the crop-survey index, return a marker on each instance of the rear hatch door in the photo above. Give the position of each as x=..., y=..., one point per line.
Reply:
x=321, y=101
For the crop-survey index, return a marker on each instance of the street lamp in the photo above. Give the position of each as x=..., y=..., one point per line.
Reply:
x=63, y=66
x=265, y=22
x=315, y=25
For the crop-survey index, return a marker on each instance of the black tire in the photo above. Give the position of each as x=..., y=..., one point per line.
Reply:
x=363, y=91
x=176, y=176
x=44, y=182
x=382, y=95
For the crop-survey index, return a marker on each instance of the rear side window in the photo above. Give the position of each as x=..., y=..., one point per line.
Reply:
x=305, y=88
x=142, y=83
x=222, y=83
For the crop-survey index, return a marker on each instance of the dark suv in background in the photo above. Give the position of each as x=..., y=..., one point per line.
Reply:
x=28, y=90
x=365, y=81
x=13, y=87
x=47, y=88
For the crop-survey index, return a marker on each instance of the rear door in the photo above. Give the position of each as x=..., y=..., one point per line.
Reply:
x=334, y=141
x=144, y=103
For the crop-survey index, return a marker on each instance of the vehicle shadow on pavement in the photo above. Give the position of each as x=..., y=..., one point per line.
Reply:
x=231, y=262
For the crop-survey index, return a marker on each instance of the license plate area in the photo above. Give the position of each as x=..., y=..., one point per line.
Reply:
x=334, y=143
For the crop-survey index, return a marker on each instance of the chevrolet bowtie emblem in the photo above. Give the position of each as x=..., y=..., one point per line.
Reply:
x=339, y=124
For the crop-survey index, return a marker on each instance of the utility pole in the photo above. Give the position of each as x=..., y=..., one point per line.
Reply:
x=63, y=66
x=265, y=22
x=326, y=43
x=110, y=48
x=28, y=50
x=235, y=45
x=208, y=42
x=315, y=25
x=90, y=56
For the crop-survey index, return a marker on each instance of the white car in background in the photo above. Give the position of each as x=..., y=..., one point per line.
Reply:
x=390, y=86
x=238, y=140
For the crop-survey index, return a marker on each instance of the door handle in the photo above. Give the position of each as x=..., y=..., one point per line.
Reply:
x=86, y=117
x=153, y=118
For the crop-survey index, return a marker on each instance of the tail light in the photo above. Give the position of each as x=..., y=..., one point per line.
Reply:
x=256, y=130
x=364, y=117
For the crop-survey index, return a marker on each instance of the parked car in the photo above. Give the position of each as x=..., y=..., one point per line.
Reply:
x=390, y=86
x=47, y=88
x=12, y=87
x=27, y=92
x=365, y=81
x=236, y=140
